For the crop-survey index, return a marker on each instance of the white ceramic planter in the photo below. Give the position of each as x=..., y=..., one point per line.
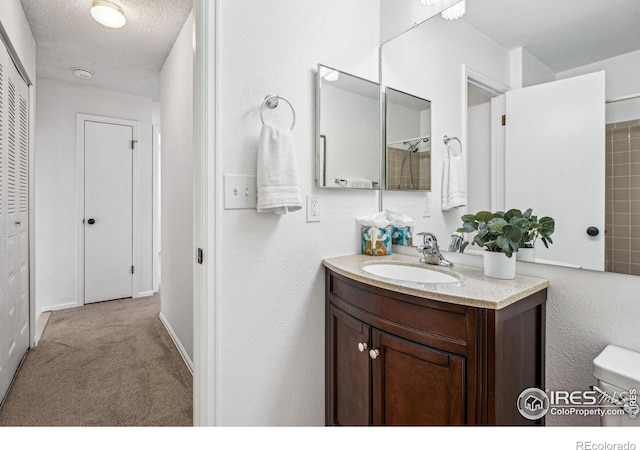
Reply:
x=497, y=265
x=526, y=254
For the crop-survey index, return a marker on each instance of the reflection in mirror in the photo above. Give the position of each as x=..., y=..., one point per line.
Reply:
x=408, y=135
x=347, y=131
x=582, y=176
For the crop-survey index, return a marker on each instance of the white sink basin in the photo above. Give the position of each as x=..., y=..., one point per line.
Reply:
x=409, y=273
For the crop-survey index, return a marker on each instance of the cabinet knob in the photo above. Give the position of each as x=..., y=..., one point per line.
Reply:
x=374, y=353
x=362, y=346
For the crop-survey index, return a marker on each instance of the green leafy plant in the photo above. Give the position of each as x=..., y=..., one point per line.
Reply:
x=541, y=229
x=498, y=231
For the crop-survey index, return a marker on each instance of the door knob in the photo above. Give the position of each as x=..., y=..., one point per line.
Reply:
x=362, y=346
x=18, y=223
x=91, y=221
x=374, y=353
x=593, y=231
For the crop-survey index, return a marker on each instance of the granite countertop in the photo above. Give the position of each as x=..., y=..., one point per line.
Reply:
x=472, y=289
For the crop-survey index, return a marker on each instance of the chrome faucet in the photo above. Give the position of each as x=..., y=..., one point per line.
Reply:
x=430, y=252
x=458, y=244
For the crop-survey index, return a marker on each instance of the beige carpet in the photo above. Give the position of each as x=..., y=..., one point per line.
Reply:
x=105, y=364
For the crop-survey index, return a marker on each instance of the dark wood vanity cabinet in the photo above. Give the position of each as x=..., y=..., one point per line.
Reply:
x=396, y=359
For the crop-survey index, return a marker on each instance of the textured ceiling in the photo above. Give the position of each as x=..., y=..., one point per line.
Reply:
x=128, y=59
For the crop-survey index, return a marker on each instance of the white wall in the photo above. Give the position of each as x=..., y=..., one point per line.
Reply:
x=438, y=76
x=535, y=71
x=56, y=152
x=403, y=123
x=177, y=190
x=527, y=70
x=479, y=156
x=621, y=79
x=271, y=293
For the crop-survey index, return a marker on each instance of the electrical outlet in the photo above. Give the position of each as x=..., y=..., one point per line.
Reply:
x=240, y=191
x=426, y=205
x=313, y=208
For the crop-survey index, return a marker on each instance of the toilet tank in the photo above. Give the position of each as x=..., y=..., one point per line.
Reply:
x=618, y=370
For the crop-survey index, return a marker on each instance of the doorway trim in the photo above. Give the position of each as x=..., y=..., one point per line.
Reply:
x=80, y=185
x=496, y=88
x=156, y=196
x=206, y=288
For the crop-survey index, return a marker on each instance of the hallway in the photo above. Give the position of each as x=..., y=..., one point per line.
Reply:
x=105, y=364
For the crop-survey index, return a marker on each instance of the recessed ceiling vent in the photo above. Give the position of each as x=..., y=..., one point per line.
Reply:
x=83, y=73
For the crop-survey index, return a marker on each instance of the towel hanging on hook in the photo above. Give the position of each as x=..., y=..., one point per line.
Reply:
x=454, y=180
x=271, y=102
x=448, y=139
x=277, y=177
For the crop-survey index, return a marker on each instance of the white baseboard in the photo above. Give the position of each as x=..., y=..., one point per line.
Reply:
x=60, y=306
x=177, y=343
x=143, y=294
x=41, y=324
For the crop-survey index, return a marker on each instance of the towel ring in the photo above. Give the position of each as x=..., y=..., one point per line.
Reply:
x=448, y=139
x=271, y=102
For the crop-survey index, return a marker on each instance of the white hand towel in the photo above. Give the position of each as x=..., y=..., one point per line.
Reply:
x=454, y=182
x=359, y=183
x=278, y=187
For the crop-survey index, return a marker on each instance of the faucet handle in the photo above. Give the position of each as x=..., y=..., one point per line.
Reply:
x=428, y=238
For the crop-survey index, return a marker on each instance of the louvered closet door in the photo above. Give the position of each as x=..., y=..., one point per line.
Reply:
x=15, y=207
x=5, y=331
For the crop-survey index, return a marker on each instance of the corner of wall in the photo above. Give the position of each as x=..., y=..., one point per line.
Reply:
x=515, y=57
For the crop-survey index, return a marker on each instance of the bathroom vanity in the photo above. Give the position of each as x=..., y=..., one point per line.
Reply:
x=407, y=353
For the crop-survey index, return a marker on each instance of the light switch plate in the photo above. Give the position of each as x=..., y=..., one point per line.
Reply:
x=313, y=208
x=240, y=191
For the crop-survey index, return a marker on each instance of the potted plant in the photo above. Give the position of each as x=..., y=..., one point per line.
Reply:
x=541, y=229
x=500, y=235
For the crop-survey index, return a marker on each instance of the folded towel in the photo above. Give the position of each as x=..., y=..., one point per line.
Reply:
x=454, y=182
x=277, y=181
x=358, y=183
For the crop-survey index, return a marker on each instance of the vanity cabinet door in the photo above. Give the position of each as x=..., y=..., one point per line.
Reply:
x=348, y=370
x=416, y=385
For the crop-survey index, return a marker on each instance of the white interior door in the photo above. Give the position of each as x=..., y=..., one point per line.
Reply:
x=108, y=207
x=555, y=161
x=14, y=207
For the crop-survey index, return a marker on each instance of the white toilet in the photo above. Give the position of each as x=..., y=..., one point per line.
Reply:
x=618, y=370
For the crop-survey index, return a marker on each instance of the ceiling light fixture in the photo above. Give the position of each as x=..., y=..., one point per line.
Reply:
x=108, y=14
x=83, y=73
x=332, y=76
x=455, y=12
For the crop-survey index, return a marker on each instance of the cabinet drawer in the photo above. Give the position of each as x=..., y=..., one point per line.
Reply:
x=429, y=322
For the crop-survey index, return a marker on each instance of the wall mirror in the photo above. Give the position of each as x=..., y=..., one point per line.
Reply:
x=408, y=141
x=347, y=131
x=530, y=62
